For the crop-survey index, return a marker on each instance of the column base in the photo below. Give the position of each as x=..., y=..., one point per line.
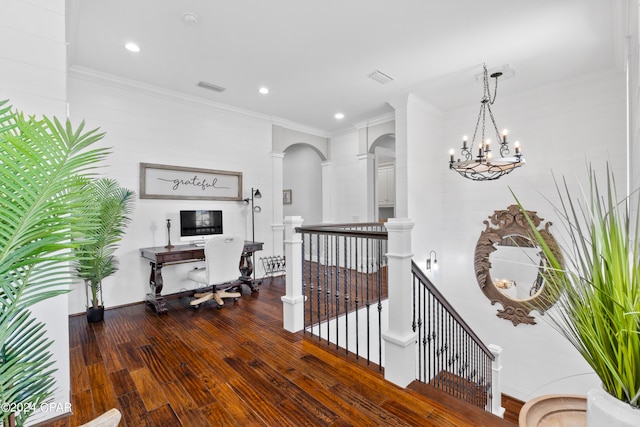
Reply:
x=293, y=313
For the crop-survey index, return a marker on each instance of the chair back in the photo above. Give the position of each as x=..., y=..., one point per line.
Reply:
x=222, y=256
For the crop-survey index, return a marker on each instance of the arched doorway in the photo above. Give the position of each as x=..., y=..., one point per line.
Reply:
x=302, y=183
x=384, y=148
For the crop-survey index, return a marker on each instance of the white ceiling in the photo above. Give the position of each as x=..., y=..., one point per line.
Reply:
x=315, y=55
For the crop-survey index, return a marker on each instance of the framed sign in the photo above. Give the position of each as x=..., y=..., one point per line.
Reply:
x=177, y=182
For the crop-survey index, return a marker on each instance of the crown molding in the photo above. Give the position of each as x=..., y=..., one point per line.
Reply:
x=383, y=118
x=92, y=75
x=299, y=127
x=89, y=74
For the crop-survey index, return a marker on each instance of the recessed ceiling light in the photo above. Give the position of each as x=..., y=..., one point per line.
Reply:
x=339, y=116
x=132, y=47
x=264, y=90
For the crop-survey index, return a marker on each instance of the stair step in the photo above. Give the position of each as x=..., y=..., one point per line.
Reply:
x=459, y=406
x=461, y=388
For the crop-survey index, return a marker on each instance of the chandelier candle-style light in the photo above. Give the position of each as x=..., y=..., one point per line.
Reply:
x=484, y=167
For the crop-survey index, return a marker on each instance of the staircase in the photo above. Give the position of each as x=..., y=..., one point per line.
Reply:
x=356, y=288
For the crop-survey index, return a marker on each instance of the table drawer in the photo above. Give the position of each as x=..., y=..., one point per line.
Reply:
x=180, y=256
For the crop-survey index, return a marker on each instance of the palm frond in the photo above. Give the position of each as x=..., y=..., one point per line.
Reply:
x=45, y=166
x=111, y=207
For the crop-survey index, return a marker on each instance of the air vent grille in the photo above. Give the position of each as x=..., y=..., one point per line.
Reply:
x=211, y=86
x=380, y=77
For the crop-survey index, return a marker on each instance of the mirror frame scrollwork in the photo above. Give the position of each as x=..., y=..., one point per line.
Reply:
x=506, y=223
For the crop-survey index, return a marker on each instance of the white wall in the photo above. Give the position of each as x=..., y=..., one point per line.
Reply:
x=343, y=151
x=303, y=176
x=33, y=78
x=561, y=128
x=145, y=124
x=424, y=186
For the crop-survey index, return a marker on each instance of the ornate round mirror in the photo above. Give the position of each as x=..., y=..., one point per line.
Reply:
x=509, y=264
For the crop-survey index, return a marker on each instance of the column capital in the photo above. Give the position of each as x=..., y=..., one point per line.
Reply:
x=366, y=156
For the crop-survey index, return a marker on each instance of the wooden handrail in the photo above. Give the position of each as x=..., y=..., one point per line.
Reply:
x=346, y=230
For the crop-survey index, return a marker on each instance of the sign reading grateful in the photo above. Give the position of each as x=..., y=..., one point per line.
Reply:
x=178, y=182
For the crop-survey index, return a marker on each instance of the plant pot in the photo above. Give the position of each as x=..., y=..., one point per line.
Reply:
x=605, y=410
x=95, y=314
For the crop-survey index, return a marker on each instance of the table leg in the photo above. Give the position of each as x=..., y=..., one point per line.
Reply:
x=155, y=298
x=246, y=269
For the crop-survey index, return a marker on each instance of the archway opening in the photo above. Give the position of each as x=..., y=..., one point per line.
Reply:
x=384, y=148
x=302, y=183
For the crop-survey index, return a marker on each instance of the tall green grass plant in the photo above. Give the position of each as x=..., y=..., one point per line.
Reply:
x=599, y=283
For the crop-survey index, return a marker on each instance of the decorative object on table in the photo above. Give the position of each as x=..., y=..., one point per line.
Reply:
x=111, y=207
x=598, y=309
x=42, y=207
x=169, y=245
x=509, y=264
x=179, y=182
x=287, y=197
x=485, y=167
x=255, y=193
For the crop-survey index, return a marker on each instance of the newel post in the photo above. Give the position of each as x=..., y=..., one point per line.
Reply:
x=400, y=339
x=496, y=387
x=293, y=300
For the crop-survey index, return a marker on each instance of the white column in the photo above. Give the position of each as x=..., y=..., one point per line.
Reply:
x=400, y=339
x=496, y=387
x=366, y=170
x=402, y=156
x=327, y=192
x=293, y=300
x=277, y=234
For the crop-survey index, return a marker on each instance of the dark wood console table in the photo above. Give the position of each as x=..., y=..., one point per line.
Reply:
x=160, y=256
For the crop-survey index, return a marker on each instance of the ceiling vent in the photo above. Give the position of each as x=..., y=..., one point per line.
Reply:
x=211, y=86
x=380, y=77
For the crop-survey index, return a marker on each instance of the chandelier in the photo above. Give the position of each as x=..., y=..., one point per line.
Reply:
x=485, y=167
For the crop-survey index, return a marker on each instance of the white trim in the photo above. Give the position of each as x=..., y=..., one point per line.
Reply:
x=95, y=76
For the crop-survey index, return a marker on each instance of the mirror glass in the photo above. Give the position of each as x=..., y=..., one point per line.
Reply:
x=515, y=268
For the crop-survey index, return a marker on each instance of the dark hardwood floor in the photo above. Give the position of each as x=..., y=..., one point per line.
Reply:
x=236, y=366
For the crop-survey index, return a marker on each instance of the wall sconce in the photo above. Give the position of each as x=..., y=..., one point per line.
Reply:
x=432, y=261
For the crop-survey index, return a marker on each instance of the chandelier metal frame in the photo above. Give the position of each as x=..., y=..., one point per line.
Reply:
x=483, y=167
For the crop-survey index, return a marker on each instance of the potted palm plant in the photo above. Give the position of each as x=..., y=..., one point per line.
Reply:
x=111, y=206
x=598, y=310
x=44, y=166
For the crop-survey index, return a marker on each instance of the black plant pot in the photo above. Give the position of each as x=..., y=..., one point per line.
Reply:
x=95, y=314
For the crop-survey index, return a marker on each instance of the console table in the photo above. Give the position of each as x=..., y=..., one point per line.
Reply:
x=160, y=256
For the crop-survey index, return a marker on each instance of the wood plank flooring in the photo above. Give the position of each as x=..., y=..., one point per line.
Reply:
x=235, y=366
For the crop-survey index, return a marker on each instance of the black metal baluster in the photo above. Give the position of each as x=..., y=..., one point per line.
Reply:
x=305, y=285
x=368, y=303
x=337, y=288
x=325, y=264
x=311, y=284
x=357, y=299
x=318, y=293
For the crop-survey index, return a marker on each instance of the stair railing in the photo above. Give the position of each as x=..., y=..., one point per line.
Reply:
x=451, y=357
x=344, y=284
x=361, y=278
